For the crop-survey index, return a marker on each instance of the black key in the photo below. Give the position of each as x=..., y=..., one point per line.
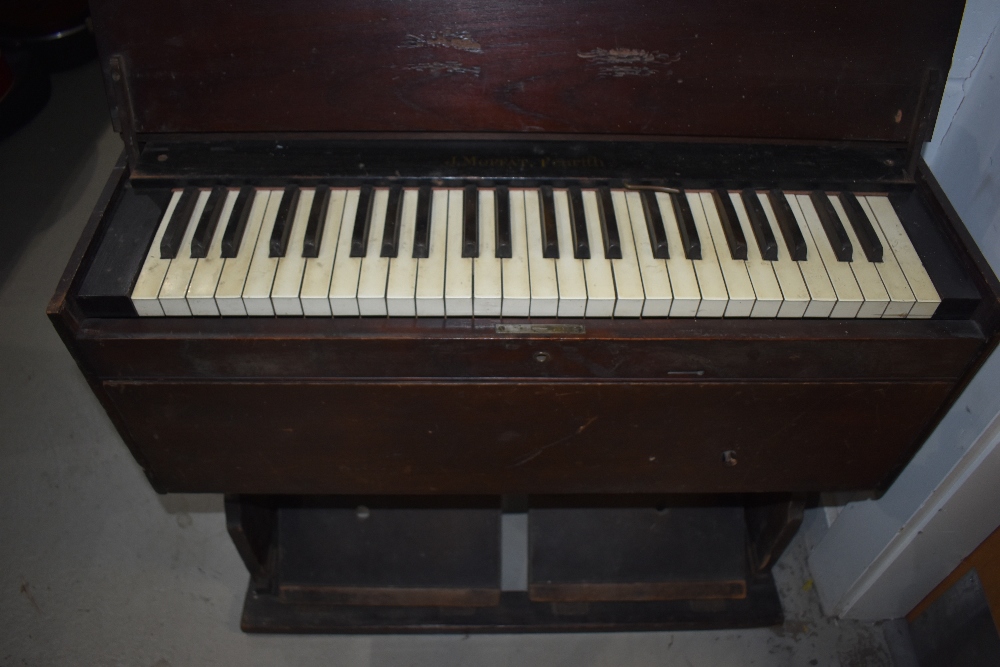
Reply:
x=317, y=221
x=233, y=235
x=654, y=224
x=393, y=222
x=362, y=222
x=422, y=231
x=831, y=225
x=550, y=240
x=470, y=222
x=788, y=225
x=205, y=230
x=578, y=225
x=502, y=220
x=283, y=223
x=685, y=222
x=170, y=242
x=609, y=225
x=731, y=226
x=862, y=227
x=761, y=227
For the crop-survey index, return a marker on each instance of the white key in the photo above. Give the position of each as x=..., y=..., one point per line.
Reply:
x=430, y=269
x=147, y=285
x=315, y=294
x=742, y=297
x=628, y=277
x=822, y=295
x=926, y=295
x=516, y=281
x=569, y=270
x=201, y=291
x=796, y=300
x=458, y=269
x=400, y=293
x=901, y=297
x=229, y=293
x=288, y=277
x=849, y=296
x=173, y=293
x=683, y=279
x=714, y=297
x=260, y=276
x=874, y=292
x=487, y=268
x=346, y=269
x=655, y=279
x=544, y=284
x=597, y=270
x=765, y=283
x=374, y=267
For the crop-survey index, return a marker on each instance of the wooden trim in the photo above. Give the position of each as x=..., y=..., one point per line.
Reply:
x=985, y=559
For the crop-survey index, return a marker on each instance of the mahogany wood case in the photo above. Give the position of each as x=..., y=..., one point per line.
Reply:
x=691, y=93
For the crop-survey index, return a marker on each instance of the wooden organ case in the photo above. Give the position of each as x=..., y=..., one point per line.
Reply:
x=714, y=163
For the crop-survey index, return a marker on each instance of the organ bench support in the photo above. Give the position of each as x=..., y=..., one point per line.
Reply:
x=382, y=273
x=408, y=565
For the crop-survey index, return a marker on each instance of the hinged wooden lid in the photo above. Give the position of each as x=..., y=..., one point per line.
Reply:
x=778, y=70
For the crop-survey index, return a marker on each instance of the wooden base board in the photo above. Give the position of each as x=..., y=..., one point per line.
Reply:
x=263, y=613
x=634, y=554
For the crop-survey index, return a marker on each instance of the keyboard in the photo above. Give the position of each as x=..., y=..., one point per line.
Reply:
x=530, y=252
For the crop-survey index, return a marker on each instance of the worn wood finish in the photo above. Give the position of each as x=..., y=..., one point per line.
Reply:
x=521, y=437
x=252, y=523
x=771, y=524
x=431, y=564
x=362, y=553
x=460, y=348
x=278, y=159
x=636, y=553
x=704, y=94
x=516, y=613
x=685, y=67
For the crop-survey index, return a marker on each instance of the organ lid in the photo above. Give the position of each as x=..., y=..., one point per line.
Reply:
x=781, y=70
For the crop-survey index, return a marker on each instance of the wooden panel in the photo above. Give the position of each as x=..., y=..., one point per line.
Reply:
x=551, y=437
x=463, y=348
x=374, y=555
x=634, y=553
x=719, y=68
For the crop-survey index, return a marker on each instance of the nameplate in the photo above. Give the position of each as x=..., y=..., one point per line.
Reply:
x=541, y=329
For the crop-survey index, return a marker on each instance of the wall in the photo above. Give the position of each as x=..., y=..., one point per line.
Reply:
x=880, y=557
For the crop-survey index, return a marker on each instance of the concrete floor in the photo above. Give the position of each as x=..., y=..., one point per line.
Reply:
x=96, y=569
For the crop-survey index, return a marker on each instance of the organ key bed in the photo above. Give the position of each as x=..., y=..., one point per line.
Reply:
x=649, y=278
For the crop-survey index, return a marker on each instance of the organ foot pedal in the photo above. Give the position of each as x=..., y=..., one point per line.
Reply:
x=405, y=564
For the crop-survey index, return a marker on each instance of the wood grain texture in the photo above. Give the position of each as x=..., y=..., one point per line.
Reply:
x=265, y=348
x=811, y=71
x=523, y=437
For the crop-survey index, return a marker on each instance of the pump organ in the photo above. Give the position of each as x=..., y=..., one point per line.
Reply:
x=380, y=272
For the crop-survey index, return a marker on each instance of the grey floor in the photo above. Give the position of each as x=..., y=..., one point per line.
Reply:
x=96, y=569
